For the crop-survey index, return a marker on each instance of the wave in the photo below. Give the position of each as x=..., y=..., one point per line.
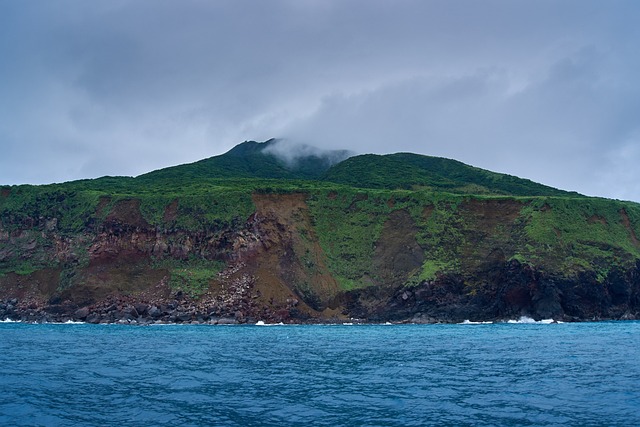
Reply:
x=68, y=322
x=529, y=320
x=262, y=323
x=523, y=320
x=469, y=322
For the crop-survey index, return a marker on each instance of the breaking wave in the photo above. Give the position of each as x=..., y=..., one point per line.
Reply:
x=527, y=320
x=469, y=322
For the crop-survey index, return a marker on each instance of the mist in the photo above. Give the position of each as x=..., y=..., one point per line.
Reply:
x=290, y=152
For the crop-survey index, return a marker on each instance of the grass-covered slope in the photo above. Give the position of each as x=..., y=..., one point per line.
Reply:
x=461, y=233
x=251, y=159
x=393, y=171
x=414, y=171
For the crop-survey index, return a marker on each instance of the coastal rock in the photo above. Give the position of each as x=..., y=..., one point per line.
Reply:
x=82, y=313
x=93, y=318
x=142, y=309
x=155, y=312
x=183, y=317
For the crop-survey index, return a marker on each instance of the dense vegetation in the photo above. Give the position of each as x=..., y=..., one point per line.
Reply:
x=413, y=171
x=460, y=214
x=249, y=160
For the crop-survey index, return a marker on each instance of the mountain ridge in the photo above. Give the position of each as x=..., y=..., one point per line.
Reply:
x=252, y=159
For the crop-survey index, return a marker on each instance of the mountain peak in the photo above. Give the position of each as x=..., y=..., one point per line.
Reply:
x=274, y=158
x=250, y=147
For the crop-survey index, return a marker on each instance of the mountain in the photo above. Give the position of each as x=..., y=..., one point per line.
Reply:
x=271, y=232
x=253, y=159
x=414, y=171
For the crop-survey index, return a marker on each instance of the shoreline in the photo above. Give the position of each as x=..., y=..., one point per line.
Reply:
x=523, y=320
x=130, y=311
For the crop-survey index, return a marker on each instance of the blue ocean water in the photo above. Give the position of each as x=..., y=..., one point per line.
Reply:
x=585, y=374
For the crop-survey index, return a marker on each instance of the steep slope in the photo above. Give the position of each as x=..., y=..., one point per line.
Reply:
x=188, y=246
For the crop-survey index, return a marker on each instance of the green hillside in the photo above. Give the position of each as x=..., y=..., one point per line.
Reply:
x=414, y=171
x=393, y=171
x=249, y=160
x=344, y=238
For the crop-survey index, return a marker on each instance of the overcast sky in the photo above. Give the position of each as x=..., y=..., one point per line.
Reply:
x=546, y=90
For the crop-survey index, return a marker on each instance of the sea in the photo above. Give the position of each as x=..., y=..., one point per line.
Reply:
x=502, y=374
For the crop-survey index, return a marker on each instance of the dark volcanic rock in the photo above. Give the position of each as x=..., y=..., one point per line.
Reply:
x=82, y=313
x=155, y=312
x=501, y=291
x=183, y=317
x=93, y=318
x=142, y=309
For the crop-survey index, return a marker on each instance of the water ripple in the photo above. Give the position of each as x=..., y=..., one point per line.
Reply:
x=480, y=375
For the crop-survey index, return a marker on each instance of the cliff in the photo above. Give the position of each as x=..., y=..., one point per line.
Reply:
x=247, y=236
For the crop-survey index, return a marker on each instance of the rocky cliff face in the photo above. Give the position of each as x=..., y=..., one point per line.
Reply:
x=325, y=256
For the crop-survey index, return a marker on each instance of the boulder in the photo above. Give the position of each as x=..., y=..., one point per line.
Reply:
x=93, y=318
x=82, y=313
x=183, y=317
x=141, y=309
x=154, y=312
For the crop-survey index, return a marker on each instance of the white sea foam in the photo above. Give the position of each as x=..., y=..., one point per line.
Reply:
x=469, y=322
x=529, y=320
x=262, y=323
x=68, y=322
x=7, y=320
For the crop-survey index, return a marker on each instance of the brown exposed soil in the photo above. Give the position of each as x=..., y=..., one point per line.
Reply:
x=427, y=211
x=624, y=218
x=490, y=230
x=37, y=285
x=100, y=281
x=489, y=213
x=103, y=202
x=171, y=212
x=127, y=212
x=391, y=202
x=290, y=258
x=397, y=255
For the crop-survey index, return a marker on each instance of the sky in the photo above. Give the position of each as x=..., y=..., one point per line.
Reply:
x=544, y=90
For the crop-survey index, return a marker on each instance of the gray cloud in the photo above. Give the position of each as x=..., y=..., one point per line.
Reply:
x=546, y=90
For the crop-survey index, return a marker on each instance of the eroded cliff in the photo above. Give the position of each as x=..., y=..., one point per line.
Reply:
x=329, y=255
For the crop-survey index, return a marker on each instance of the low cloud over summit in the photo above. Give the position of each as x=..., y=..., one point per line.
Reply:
x=544, y=90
